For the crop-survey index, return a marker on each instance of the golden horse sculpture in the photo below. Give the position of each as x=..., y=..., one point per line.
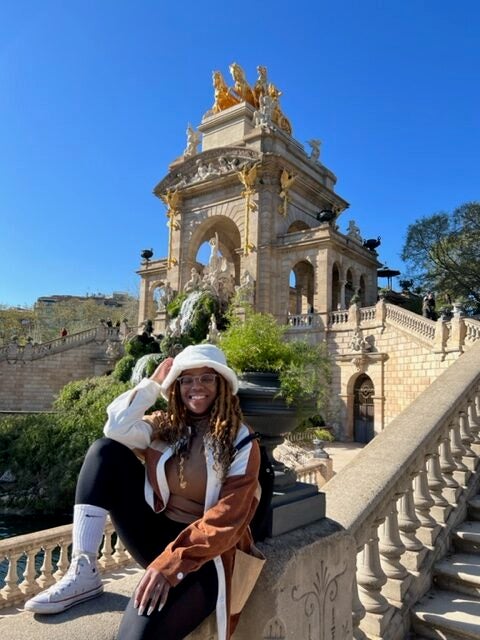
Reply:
x=222, y=94
x=226, y=97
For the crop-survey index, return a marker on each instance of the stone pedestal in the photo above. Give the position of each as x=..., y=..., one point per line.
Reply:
x=294, y=508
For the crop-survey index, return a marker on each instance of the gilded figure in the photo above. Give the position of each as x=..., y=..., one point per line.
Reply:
x=241, y=86
x=223, y=96
x=277, y=116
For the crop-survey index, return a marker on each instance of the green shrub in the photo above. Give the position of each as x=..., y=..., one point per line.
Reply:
x=259, y=344
x=324, y=434
x=123, y=368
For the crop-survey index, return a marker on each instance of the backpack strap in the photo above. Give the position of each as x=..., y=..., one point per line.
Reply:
x=244, y=441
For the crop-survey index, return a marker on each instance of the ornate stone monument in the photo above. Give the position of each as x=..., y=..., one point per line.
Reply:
x=270, y=204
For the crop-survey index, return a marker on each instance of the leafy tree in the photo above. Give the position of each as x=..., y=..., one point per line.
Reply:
x=15, y=321
x=442, y=252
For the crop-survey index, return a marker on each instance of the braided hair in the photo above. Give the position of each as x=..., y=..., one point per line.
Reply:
x=224, y=421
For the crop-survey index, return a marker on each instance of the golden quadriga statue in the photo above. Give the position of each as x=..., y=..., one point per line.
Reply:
x=262, y=93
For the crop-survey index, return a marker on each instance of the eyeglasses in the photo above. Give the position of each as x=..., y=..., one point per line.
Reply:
x=207, y=379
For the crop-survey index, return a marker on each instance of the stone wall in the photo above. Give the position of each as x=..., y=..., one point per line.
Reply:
x=31, y=383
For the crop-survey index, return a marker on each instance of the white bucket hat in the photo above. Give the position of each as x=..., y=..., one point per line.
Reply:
x=197, y=356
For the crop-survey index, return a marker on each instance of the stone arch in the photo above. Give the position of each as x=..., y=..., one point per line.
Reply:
x=361, y=407
x=349, y=286
x=301, y=294
x=362, y=290
x=229, y=241
x=298, y=225
x=336, y=286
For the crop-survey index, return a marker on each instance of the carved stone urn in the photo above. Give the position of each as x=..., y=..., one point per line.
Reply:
x=266, y=412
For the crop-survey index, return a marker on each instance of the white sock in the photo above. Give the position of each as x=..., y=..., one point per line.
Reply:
x=88, y=525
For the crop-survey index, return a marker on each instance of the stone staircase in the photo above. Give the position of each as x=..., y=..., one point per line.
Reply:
x=451, y=609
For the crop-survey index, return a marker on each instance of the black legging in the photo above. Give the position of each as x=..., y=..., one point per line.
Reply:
x=113, y=478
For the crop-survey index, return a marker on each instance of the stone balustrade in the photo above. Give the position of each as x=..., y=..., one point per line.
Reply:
x=304, y=320
x=14, y=352
x=472, y=330
x=412, y=322
x=22, y=555
x=402, y=495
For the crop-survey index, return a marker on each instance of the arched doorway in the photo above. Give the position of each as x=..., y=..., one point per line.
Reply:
x=363, y=409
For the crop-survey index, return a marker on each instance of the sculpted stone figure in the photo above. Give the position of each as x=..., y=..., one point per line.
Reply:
x=353, y=231
x=260, y=88
x=315, y=144
x=194, y=283
x=193, y=140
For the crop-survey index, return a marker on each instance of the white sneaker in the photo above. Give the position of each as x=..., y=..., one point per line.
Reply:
x=80, y=583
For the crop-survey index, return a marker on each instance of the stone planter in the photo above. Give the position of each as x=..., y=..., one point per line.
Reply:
x=266, y=412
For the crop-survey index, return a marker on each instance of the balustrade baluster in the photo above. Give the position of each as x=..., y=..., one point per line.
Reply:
x=462, y=472
x=452, y=490
x=120, y=556
x=423, y=501
x=46, y=578
x=391, y=549
x=437, y=485
x=28, y=584
x=408, y=524
x=467, y=440
x=63, y=563
x=106, y=559
x=371, y=578
x=474, y=422
x=11, y=590
x=358, y=612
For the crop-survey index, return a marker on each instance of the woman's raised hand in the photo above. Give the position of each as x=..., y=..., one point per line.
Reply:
x=162, y=370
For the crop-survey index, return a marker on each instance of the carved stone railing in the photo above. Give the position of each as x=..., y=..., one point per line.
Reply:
x=402, y=495
x=304, y=321
x=23, y=553
x=416, y=325
x=14, y=352
x=338, y=317
x=472, y=330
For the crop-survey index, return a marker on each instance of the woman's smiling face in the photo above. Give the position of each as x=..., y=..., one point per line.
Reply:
x=197, y=392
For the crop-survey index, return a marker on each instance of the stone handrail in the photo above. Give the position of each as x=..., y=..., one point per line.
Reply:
x=14, y=352
x=338, y=317
x=20, y=553
x=304, y=320
x=472, y=329
x=416, y=325
x=402, y=495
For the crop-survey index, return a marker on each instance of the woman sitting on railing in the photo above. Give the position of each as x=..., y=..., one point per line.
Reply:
x=183, y=514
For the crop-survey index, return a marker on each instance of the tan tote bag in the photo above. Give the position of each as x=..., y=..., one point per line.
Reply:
x=245, y=575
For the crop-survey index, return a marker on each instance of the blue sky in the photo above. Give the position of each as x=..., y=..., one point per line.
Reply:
x=96, y=95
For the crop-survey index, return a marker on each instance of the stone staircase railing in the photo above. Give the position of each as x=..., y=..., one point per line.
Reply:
x=440, y=336
x=14, y=352
x=22, y=555
x=404, y=493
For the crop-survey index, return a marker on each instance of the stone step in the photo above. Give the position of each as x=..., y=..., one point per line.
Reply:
x=466, y=537
x=459, y=572
x=474, y=508
x=446, y=615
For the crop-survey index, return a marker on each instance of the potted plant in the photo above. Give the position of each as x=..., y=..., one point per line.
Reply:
x=280, y=381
